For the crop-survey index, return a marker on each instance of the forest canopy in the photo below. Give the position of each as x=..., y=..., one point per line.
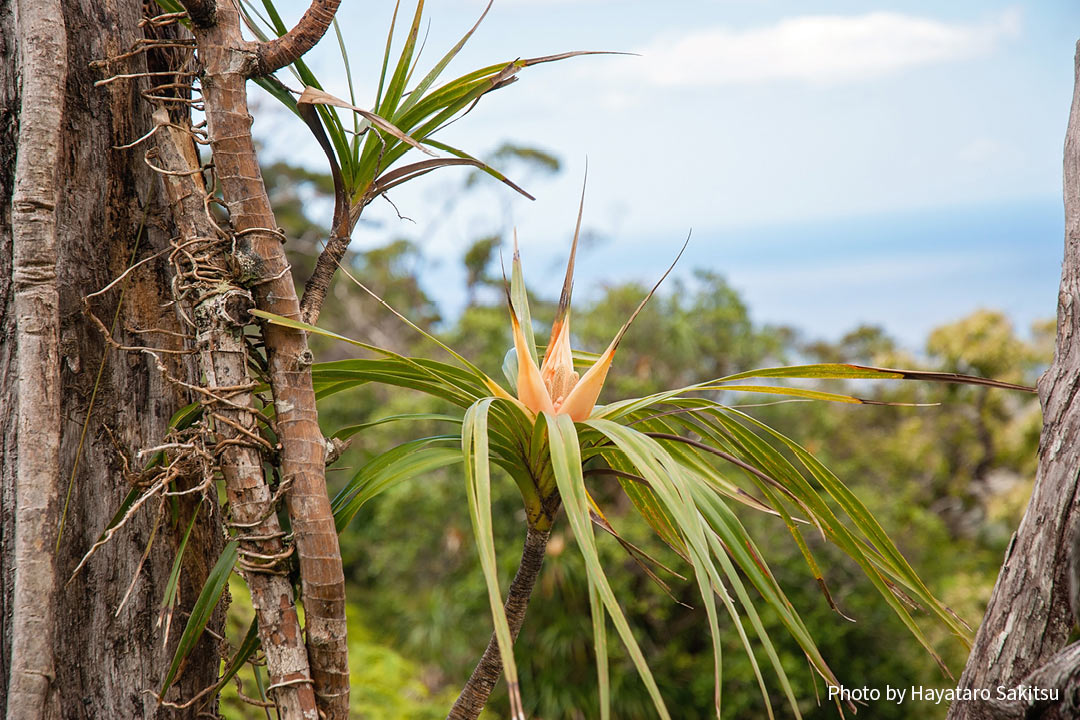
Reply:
x=260, y=453
x=953, y=473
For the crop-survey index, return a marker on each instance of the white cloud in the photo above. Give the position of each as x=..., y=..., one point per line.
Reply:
x=819, y=49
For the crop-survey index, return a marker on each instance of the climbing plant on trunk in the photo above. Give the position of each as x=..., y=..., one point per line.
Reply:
x=227, y=399
x=105, y=210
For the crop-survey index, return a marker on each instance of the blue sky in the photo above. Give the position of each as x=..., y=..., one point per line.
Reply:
x=839, y=162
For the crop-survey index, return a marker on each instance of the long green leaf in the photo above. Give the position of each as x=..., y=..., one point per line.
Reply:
x=174, y=575
x=348, y=74
x=566, y=462
x=247, y=648
x=474, y=447
x=350, y=430
x=422, y=87
x=480, y=164
x=648, y=506
x=391, y=468
x=847, y=371
x=386, y=54
x=125, y=505
x=657, y=466
x=396, y=88
x=879, y=540
x=866, y=557
x=807, y=394
x=201, y=611
x=429, y=369
x=743, y=551
x=603, y=676
x=519, y=299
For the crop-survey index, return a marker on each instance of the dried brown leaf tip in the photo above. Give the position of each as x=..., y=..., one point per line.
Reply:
x=554, y=386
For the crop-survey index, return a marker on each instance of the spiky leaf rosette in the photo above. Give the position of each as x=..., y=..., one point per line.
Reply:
x=688, y=464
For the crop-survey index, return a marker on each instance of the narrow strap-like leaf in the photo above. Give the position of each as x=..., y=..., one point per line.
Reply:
x=422, y=87
x=566, y=462
x=396, y=87
x=847, y=371
x=474, y=447
x=201, y=611
x=393, y=467
x=603, y=676
x=519, y=302
x=174, y=574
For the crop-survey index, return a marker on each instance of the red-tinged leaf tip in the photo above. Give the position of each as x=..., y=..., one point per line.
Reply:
x=832, y=603
x=515, y=263
x=563, y=56
x=945, y=377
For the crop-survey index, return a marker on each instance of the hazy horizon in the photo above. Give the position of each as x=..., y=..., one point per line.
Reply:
x=897, y=163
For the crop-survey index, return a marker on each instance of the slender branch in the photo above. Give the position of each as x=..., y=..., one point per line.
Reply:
x=288, y=48
x=482, y=681
x=43, y=62
x=318, y=284
x=330, y=258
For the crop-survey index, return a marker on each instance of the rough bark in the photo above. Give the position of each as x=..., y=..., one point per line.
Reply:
x=1059, y=677
x=227, y=60
x=326, y=265
x=285, y=50
x=1028, y=620
x=220, y=314
x=475, y=694
x=319, y=283
x=42, y=58
x=106, y=662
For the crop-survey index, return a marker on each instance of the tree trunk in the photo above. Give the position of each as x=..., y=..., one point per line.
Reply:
x=107, y=664
x=43, y=63
x=225, y=63
x=474, y=696
x=1028, y=618
x=221, y=313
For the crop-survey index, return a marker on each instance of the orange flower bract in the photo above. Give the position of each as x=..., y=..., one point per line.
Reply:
x=555, y=387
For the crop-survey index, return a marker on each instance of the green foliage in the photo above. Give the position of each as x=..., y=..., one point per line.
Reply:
x=411, y=562
x=905, y=462
x=400, y=576
x=385, y=685
x=365, y=152
x=202, y=609
x=688, y=494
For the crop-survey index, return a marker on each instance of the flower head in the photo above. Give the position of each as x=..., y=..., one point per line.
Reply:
x=555, y=387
